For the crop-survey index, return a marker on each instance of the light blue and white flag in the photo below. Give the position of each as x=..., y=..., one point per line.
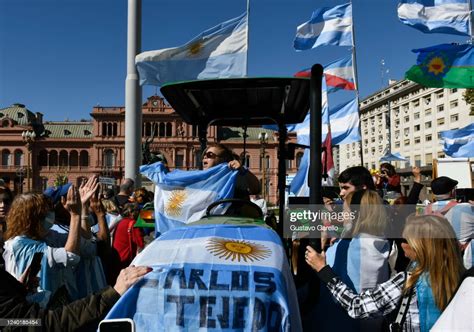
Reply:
x=436, y=16
x=299, y=186
x=327, y=26
x=219, y=52
x=459, y=143
x=182, y=197
x=345, y=123
x=213, y=277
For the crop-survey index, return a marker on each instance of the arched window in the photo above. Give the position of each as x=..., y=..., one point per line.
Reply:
x=6, y=156
x=43, y=158
x=109, y=129
x=63, y=158
x=114, y=129
x=84, y=158
x=18, y=161
x=169, y=129
x=53, y=158
x=162, y=129
x=155, y=129
x=148, y=129
x=109, y=158
x=197, y=158
x=74, y=158
x=299, y=155
x=267, y=162
x=104, y=129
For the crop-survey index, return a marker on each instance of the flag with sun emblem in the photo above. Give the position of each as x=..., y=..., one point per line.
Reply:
x=219, y=52
x=182, y=197
x=213, y=278
x=444, y=66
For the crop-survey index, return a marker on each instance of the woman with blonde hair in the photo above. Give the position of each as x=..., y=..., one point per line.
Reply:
x=435, y=273
x=360, y=258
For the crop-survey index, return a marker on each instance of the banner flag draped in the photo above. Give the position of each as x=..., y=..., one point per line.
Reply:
x=213, y=277
x=182, y=197
x=436, y=16
x=327, y=26
x=219, y=52
x=444, y=66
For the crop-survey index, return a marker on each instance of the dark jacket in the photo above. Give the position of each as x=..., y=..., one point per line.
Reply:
x=81, y=315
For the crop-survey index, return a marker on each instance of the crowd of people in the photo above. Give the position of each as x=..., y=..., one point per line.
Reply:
x=391, y=264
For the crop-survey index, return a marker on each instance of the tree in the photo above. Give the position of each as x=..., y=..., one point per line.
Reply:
x=469, y=98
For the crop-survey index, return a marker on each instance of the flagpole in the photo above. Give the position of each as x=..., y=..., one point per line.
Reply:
x=470, y=23
x=248, y=21
x=356, y=82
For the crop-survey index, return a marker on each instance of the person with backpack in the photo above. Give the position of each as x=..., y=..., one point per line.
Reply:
x=418, y=296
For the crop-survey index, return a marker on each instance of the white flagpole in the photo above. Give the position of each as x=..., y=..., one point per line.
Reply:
x=356, y=82
x=247, y=57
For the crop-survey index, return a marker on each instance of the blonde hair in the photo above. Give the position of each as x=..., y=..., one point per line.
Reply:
x=437, y=252
x=26, y=215
x=372, y=214
x=109, y=206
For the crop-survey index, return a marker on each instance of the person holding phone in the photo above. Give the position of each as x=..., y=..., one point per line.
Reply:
x=84, y=314
x=388, y=179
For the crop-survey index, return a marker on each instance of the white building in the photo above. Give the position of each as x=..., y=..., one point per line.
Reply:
x=409, y=118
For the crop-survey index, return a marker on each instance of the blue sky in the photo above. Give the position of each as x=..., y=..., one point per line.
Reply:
x=63, y=57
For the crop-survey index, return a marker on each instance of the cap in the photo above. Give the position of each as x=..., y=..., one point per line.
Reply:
x=55, y=193
x=443, y=185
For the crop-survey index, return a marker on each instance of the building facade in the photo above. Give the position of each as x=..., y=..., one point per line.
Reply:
x=408, y=118
x=97, y=147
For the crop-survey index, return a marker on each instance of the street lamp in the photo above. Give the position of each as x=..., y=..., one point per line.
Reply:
x=263, y=141
x=29, y=137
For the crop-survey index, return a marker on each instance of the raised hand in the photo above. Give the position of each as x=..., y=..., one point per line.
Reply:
x=73, y=201
x=130, y=276
x=234, y=165
x=315, y=260
x=87, y=189
x=96, y=204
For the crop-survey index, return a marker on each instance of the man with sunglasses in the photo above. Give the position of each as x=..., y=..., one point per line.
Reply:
x=247, y=183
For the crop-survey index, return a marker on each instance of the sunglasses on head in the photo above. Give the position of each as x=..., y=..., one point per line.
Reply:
x=210, y=155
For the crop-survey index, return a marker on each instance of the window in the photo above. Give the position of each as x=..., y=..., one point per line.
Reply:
x=417, y=140
x=366, y=141
x=440, y=108
x=428, y=159
x=406, y=142
x=440, y=121
x=372, y=139
x=440, y=95
x=416, y=103
x=441, y=155
x=397, y=123
x=427, y=100
x=428, y=112
x=454, y=90
x=179, y=162
x=428, y=138
x=397, y=144
x=428, y=124
x=18, y=160
x=417, y=128
x=405, y=108
x=407, y=119
x=109, y=158
x=373, y=151
x=453, y=104
x=416, y=115
x=380, y=138
x=418, y=160
x=454, y=117
x=406, y=131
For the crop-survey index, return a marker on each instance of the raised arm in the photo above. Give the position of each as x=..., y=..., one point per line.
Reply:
x=74, y=206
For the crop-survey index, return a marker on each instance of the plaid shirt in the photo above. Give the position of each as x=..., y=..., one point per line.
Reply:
x=375, y=302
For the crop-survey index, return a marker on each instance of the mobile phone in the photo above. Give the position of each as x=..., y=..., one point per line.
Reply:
x=35, y=267
x=117, y=325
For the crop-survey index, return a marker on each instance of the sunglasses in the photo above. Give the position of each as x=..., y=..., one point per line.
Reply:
x=210, y=155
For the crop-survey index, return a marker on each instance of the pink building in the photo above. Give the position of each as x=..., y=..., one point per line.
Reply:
x=80, y=149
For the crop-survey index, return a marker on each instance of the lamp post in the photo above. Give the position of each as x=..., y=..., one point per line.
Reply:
x=29, y=137
x=263, y=141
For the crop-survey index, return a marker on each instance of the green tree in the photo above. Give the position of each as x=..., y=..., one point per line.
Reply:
x=469, y=98
x=60, y=179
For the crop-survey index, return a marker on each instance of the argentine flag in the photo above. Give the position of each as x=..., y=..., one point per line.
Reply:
x=182, y=197
x=459, y=143
x=219, y=52
x=213, y=278
x=436, y=16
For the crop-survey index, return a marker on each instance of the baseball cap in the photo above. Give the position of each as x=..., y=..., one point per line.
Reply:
x=55, y=193
x=443, y=185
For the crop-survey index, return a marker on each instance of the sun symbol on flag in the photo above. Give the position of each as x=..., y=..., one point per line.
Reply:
x=237, y=250
x=195, y=48
x=436, y=66
x=175, y=202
